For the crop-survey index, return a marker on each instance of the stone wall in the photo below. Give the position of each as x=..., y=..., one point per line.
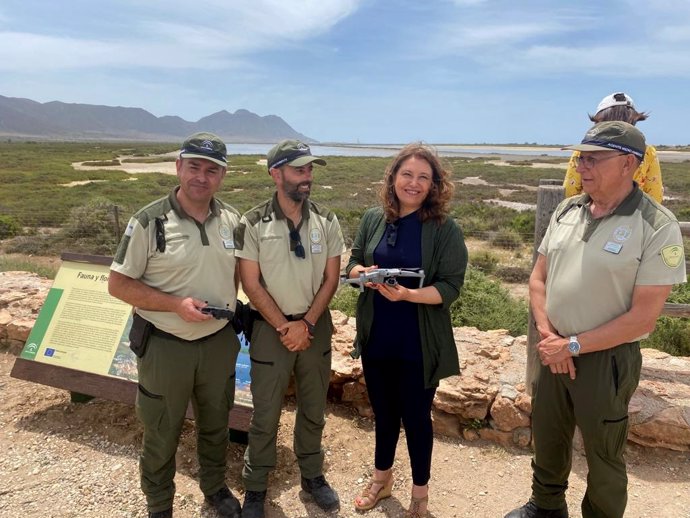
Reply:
x=487, y=401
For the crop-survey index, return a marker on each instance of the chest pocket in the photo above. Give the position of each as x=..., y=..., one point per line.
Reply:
x=273, y=249
x=171, y=246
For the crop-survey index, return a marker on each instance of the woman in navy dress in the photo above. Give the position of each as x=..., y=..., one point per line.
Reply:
x=404, y=332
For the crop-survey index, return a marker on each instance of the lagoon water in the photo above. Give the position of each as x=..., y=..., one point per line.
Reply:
x=384, y=150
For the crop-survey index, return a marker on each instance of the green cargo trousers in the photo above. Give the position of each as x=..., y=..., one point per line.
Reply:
x=596, y=401
x=271, y=367
x=170, y=373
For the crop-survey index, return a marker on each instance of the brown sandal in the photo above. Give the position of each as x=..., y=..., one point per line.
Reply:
x=415, y=510
x=369, y=498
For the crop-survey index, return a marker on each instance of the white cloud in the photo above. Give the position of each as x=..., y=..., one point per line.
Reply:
x=500, y=34
x=222, y=36
x=521, y=43
x=628, y=61
x=246, y=26
x=31, y=52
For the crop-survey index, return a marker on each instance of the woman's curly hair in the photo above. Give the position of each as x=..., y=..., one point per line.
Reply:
x=436, y=206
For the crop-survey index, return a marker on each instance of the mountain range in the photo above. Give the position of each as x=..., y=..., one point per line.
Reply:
x=55, y=120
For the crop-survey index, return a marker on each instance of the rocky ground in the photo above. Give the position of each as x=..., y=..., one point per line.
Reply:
x=64, y=459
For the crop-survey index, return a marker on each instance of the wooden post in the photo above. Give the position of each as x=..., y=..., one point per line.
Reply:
x=549, y=195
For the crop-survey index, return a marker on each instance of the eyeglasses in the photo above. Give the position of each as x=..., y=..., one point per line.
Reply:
x=590, y=162
x=392, y=236
x=299, y=249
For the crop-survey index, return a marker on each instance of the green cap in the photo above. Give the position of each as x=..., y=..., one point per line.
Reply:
x=291, y=152
x=207, y=146
x=617, y=135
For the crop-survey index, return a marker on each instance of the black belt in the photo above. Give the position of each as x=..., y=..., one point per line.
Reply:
x=291, y=318
x=170, y=336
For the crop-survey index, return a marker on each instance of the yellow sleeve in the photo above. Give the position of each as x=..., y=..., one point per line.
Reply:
x=572, y=182
x=648, y=175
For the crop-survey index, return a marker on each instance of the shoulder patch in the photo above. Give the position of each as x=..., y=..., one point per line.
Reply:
x=254, y=215
x=655, y=214
x=672, y=255
x=153, y=210
x=238, y=236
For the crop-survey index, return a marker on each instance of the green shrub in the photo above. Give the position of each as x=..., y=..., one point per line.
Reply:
x=33, y=245
x=345, y=300
x=486, y=305
x=91, y=228
x=683, y=214
x=514, y=274
x=523, y=224
x=27, y=265
x=9, y=227
x=506, y=238
x=672, y=335
x=680, y=294
x=484, y=260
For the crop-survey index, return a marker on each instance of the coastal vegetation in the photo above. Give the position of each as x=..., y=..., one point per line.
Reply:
x=48, y=207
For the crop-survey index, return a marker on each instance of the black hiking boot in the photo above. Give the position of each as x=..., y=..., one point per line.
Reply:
x=323, y=494
x=225, y=503
x=530, y=510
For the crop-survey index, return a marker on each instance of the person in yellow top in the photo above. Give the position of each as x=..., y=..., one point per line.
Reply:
x=620, y=107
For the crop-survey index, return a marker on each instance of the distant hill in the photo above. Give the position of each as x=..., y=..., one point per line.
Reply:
x=24, y=118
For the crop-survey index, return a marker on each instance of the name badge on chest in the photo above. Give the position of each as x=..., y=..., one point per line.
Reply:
x=612, y=247
x=315, y=238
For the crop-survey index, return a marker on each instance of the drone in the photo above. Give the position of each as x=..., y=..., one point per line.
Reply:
x=384, y=275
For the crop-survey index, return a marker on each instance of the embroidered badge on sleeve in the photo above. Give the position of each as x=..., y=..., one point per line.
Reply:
x=672, y=255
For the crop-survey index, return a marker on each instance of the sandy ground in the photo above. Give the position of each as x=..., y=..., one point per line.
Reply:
x=169, y=167
x=496, y=155
x=64, y=459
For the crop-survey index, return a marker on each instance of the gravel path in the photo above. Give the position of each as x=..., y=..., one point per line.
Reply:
x=63, y=459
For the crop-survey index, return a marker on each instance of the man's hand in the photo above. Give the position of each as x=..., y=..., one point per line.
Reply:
x=189, y=310
x=546, y=331
x=294, y=336
x=564, y=367
x=553, y=351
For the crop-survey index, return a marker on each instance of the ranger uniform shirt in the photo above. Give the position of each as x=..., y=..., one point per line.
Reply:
x=593, y=265
x=167, y=249
x=264, y=236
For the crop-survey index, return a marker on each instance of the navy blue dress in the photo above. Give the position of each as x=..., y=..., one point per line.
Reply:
x=393, y=361
x=395, y=330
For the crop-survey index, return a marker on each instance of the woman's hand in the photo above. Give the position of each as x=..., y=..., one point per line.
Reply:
x=354, y=273
x=393, y=292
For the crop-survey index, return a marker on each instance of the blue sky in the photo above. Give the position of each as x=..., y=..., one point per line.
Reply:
x=442, y=71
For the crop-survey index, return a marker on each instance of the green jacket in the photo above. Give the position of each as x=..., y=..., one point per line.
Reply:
x=444, y=260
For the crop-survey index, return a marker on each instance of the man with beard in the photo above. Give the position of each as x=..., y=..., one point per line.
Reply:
x=289, y=249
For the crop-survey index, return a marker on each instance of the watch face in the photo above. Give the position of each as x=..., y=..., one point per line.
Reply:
x=574, y=347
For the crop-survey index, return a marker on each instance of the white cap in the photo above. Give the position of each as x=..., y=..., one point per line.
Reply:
x=616, y=99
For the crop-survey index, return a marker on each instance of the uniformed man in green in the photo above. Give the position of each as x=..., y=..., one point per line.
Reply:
x=607, y=262
x=289, y=249
x=177, y=257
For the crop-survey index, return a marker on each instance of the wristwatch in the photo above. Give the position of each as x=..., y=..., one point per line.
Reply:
x=574, y=346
